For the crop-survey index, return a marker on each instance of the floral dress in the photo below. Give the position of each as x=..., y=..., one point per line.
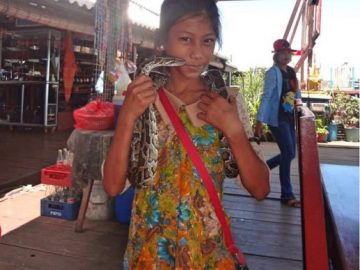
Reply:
x=173, y=223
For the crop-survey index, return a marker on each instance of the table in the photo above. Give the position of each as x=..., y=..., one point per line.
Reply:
x=341, y=191
x=90, y=149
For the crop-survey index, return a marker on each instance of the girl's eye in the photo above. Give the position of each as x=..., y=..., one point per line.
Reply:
x=209, y=41
x=185, y=39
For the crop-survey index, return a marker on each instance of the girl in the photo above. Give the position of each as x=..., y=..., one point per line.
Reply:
x=173, y=221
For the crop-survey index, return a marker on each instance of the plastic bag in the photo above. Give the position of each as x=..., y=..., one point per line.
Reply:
x=96, y=115
x=123, y=79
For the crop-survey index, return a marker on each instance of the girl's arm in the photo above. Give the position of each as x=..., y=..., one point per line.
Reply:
x=140, y=94
x=254, y=173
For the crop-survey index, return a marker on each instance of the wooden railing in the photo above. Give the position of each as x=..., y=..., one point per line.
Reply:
x=313, y=215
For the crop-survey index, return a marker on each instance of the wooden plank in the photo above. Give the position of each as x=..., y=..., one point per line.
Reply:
x=100, y=246
x=90, y=225
x=274, y=183
x=270, y=263
x=268, y=239
x=250, y=204
x=269, y=210
x=13, y=257
x=232, y=188
x=26, y=152
x=77, y=246
x=341, y=188
x=7, y=266
x=265, y=228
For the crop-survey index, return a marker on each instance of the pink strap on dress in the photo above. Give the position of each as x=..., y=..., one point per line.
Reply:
x=204, y=174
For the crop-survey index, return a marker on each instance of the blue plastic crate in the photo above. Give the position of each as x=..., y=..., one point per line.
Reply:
x=123, y=205
x=58, y=209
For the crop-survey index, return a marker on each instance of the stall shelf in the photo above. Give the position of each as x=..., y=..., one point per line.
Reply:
x=29, y=78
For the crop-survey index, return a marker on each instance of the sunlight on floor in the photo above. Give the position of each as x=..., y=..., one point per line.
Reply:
x=20, y=206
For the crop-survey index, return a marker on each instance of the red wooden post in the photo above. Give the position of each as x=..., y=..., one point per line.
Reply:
x=313, y=215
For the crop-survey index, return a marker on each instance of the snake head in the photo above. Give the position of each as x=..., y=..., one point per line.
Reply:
x=214, y=80
x=160, y=61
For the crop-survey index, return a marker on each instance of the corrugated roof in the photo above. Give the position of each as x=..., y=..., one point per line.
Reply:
x=87, y=3
x=138, y=13
x=143, y=16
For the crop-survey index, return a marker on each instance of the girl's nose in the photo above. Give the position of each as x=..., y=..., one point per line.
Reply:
x=196, y=51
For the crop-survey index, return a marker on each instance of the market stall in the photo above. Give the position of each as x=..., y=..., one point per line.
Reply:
x=37, y=92
x=29, y=77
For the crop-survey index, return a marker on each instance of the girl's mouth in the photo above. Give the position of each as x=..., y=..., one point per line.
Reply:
x=195, y=67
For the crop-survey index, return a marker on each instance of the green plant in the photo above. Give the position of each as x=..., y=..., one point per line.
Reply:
x=251, y=85
x=321, y=128
x=344, y=109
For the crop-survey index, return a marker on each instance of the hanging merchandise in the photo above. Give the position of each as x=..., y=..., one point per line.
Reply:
x=125, y=41
x=121, y=73
x=101, y=32
x=114, y=8
x=70, y=67
x=113, y=34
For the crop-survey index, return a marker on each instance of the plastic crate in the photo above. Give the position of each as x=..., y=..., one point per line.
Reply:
x=58, y=209
x=58, y=175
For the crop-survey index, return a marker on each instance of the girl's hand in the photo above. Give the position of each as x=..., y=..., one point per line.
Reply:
x=140, y=94
x=220, y=113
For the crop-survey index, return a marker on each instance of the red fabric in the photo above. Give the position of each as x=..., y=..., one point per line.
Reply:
x=204, y=174
x=70, y=67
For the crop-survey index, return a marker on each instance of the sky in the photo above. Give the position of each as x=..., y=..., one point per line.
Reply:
x=251, y=27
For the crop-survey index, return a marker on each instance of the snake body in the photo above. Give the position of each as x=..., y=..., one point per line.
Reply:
x=144, y=144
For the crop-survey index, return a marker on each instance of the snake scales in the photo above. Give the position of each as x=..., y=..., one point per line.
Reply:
x=144, y=145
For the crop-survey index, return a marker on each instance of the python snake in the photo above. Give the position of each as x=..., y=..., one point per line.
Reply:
x=144, y=144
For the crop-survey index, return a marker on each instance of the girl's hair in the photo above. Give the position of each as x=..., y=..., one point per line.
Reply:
x=173, y=10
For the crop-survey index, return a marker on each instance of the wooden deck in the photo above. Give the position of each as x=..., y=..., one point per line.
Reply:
x=268, y=233
x=24, y=153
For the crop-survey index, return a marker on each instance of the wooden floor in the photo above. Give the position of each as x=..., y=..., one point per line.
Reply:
x=23, y=153
x=267, y=232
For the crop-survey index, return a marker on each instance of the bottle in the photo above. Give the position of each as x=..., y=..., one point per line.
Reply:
x=71, y=196
x=60, y=158
x=65, y=154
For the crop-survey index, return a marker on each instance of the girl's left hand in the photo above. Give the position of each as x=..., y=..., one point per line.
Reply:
x=220, y=113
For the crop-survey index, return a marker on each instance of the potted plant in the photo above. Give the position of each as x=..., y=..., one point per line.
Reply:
x=344, y=110
x=321, y=130
x=334, y=114
x=351, y=120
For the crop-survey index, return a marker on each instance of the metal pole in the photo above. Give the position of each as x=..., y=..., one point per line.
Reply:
x=47, y=79
x=22, y=104
x=57, y=54
x=1, y=36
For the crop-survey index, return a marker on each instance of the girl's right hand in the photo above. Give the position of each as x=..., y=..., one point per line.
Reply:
x=140, y=94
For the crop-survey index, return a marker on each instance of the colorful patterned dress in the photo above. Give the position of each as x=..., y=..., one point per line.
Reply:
x=173, y=223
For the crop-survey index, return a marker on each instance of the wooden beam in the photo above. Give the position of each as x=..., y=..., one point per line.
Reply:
x=313, y=211
x=291, y=20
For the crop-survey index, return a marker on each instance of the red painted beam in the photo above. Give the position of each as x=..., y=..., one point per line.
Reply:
x=313, y=215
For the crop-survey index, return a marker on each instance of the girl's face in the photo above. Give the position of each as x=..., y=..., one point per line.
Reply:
x=192, y=39
x=284, y=57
